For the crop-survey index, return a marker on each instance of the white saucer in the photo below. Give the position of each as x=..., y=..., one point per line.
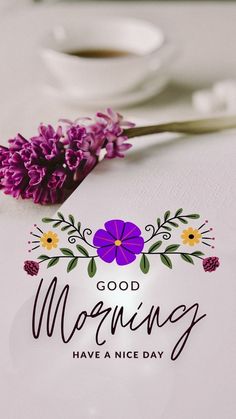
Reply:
x=144, y=91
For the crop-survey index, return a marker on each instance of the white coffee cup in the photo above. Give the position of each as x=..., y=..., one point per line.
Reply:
x=103, y=77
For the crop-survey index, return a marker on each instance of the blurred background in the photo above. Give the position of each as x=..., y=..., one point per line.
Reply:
x=201, y=33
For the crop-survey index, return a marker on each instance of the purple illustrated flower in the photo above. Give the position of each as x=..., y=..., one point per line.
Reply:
x=49, y=166
x=31, y=267
x=120, y=241
x=210, y=264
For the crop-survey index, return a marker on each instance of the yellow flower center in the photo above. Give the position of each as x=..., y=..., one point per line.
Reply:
x=118, y=243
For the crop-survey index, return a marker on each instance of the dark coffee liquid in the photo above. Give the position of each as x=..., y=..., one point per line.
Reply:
x=100, y=53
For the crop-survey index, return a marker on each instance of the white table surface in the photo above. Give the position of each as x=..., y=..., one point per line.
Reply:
x=201, y=386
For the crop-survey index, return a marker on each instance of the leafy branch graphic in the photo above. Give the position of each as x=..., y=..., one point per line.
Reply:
x=72, y=228
x=75, y=233
x=164, y=229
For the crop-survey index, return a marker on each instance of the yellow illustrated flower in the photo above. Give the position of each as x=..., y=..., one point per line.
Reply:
x=49, y=240
x=191, y=236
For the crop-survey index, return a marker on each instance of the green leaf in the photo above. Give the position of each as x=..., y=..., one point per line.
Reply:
x=178, y=212
x=166, y=216
x=187, y=258
x=193, y=216
x=47, y=220
x=154, y=247
x=144, y=264
x=66, y=252
x=172, y=248
x=173, y=224
x=158, y=222
x=61, y=216
x=166, y=260
x=78, y=226
x=197, y=253
x=82, y=250
x=71, y=232
x=166, y=228
x=43, y=257
x=92, y=268
x=53, y=262
x=72, y=264
x=72, y=220
x=65, y=228
x=183, y=220
x=56, y=224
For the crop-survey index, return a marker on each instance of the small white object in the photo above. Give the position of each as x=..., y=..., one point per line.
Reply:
x=225, y=90
x=206, y=101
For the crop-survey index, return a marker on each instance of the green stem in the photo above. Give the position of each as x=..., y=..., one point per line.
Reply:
x=197, y=126
x=172, y=253
x=68, y=257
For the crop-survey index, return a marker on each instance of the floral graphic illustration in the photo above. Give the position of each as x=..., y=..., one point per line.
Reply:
x=122, y=242
x=210, y=264
x=191, y=236
x=49, y=240
x=31, y=267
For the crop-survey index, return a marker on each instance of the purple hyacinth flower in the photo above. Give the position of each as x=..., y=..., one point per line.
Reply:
x=117, y=147
x=48, y=141
x=75, y=135
x=120, y=240
x=17, y=143
x=73, y=158
x=57, y=179
x=49, y=166
x=36, y=175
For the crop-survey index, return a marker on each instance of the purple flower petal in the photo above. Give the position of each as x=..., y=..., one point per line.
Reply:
x=102, y=238
x=73, y=158
x=108, y=253
x=134, y=245
x=115, y=228
x=123, y=256
x=130, y=230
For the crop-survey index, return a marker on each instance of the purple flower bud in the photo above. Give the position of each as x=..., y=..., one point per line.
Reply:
x=36, y=175
x=17, y=143
x=210, y=264
x=57, y=179
x=31, y=267
x=75, y=134
x=73, y=158
x=116, y=148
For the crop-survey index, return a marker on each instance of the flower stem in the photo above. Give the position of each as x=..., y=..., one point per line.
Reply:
x=198, y=126
x=172, y=253
x=68, y=257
